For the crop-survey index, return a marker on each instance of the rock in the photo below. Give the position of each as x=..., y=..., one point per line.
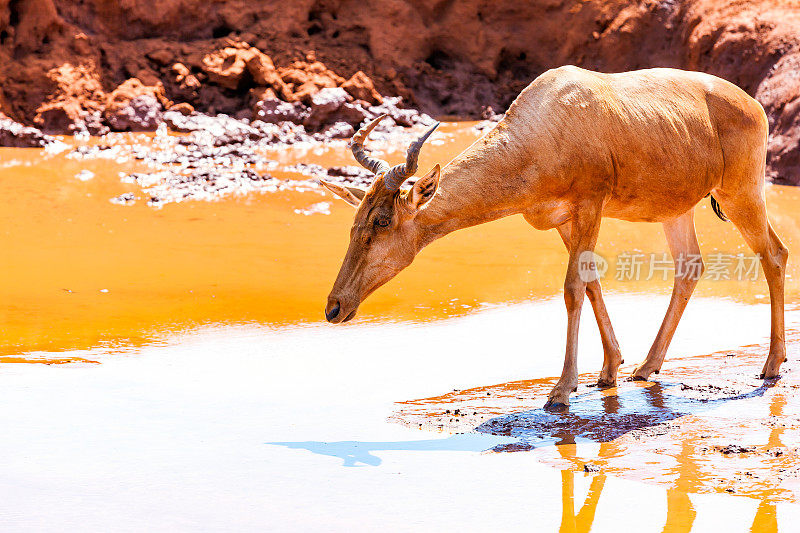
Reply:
x=273, y=111
x=329, y=100
x=183, y=108
x=248, y=37
x=257, y=94
x=230, y=66
x=179, y=122
x=134, y=106
x=220, y=130
x=307, y=78
x=261, y=68
x=245, y=115
x=15, y=135
x=331, y=105
x=350, y=171
x=68, y=116
x=4, y=106
x=182, y=84
x=76, y=101
x=91, y=124
x=338, y=130
x=360, y=87
x=147, y=76
x=226, y=67
x=781, y=95
x=141, y=113
x=487, y=113
x=401, y=117
x=307, y=90
x=59, y=116
x=35, y=21
x=311, y=70
x=205, y=183
x=126, y=198
x=182, y=73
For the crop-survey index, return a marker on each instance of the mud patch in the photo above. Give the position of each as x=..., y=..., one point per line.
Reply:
x=222, y=156
x=708, y=425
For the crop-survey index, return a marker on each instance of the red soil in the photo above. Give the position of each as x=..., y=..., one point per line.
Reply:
x=61, y=60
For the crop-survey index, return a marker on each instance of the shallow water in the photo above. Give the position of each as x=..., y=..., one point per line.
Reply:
x=79, y=271
x=219, y=387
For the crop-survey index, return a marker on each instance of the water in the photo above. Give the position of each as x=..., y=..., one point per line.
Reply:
x=255, y=260
x=222, y=401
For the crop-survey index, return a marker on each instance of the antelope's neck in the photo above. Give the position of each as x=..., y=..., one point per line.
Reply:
x=470, y=193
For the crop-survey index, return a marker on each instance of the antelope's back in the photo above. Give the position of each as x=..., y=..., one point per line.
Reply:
x=646, y=136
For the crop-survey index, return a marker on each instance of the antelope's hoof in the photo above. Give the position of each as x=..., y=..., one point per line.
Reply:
x=559, y=396
x=772, y=368
x=553, y=405
x=642, y=373
x=606, y=383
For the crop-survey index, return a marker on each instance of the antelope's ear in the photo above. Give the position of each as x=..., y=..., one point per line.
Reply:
x=351, y=195
x=424, y=189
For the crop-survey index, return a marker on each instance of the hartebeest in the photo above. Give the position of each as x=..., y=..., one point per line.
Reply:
x=576, y=146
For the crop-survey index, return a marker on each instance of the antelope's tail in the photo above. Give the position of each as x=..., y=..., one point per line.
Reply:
x=717, y=209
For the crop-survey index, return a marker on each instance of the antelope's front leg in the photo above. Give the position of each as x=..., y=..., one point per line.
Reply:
x=612, y=357
x=585, y=226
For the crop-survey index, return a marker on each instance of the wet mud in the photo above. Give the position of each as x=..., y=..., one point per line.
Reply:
x=221, y=156
x=706, y=424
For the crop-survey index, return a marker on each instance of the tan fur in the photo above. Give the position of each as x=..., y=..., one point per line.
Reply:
x=574, y=147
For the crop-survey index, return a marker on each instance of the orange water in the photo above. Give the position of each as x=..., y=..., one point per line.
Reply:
x=80, y=272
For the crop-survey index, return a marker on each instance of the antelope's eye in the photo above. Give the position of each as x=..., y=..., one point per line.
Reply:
x=382, y=222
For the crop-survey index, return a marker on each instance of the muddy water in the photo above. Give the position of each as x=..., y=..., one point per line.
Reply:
x=708, y=425
x=79, y=271
x=85, y=280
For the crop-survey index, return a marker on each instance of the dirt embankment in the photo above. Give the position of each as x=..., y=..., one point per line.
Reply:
x=119, y=64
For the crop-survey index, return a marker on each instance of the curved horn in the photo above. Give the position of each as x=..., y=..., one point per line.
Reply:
x=400, y=173
x=376, y=166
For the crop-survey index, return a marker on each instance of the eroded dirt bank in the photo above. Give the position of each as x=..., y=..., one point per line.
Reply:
x=100, y=65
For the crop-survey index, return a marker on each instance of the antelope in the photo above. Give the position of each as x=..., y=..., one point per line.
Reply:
x=574, y=147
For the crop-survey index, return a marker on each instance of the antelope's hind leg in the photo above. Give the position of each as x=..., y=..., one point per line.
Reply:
x=682, y=241
x=748, y=212
x=612, y=357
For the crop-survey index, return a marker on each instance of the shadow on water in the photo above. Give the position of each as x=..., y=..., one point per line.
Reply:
x=594, y=416
x=357, y=453
x=597, y=416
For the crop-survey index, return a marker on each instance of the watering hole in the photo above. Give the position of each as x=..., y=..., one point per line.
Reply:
x=180, y=365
